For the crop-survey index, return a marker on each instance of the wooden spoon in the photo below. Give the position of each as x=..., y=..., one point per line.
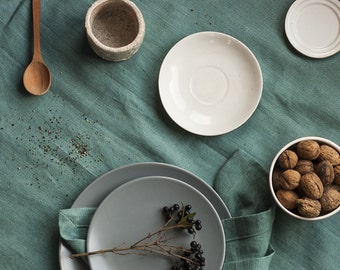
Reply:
x=37, y=78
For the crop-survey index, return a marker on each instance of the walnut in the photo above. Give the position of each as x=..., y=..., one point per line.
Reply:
x=287, y=198
x=329, y=153
x=311, y=185
x=290, y=179
x=304, y=166
x=308, y=149
x=308, y=207
x=336, y=175
x=287, y=159
x=335, y=187
x=330, y=200
x=276, y=179
x=325, y=172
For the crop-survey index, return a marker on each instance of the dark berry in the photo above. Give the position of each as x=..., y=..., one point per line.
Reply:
x=191, y=230
x=188, y=207
x=198, y=227
x=187, y=266
x=176, y=206
x=198, y=256
x=202, y=261
x=193, y=244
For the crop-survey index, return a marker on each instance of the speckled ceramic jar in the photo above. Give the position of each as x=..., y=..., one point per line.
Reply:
x=115, y=29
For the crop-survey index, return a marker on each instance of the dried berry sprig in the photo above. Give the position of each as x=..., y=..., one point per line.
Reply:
x=177, y=218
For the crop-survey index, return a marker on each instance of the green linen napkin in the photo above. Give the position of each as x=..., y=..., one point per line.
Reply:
x=241, y=184
x=73, y=226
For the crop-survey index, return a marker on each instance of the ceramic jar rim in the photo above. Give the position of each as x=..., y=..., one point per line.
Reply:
x=136, y=12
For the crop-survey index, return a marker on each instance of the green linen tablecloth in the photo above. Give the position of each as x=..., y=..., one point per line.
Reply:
x=100, y=115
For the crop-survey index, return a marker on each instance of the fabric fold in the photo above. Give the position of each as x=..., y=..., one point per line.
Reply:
x=248, y=237
x=242, y=183
x=73, y=227
x=260, y=263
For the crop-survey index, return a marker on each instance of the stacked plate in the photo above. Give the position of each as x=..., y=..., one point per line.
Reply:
x=128, y=201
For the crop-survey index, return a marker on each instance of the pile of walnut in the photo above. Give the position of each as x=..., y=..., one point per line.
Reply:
x=306, y=178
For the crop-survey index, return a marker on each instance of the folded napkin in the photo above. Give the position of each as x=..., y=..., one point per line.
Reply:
x=242, y=184
x=73, y=226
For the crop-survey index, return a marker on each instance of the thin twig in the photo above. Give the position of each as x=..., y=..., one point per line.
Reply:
x=147, y=245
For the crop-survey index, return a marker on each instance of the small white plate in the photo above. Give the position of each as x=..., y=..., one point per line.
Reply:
x=313, y=27
x=210, y=83
x=134, y=209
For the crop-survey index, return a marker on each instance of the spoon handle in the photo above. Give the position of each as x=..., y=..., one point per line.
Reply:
x=36, y=6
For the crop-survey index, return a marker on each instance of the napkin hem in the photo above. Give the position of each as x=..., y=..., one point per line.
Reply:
x=249, y=226
x=256, y=263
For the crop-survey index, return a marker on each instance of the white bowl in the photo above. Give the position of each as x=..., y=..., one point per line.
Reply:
x=115, y=29
x=291, y=145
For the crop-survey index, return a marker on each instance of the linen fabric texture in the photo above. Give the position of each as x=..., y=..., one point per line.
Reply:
x=99, y=115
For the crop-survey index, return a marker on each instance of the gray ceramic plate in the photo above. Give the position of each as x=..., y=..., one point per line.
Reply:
x=97, y=191
x=134, y=210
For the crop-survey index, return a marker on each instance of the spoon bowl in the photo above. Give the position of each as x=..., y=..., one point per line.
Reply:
x=37, y=77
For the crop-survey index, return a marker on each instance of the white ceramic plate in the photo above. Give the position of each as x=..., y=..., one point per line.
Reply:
x=134, y=210
x=94, y=194
x=313, y=27
x=210, y=83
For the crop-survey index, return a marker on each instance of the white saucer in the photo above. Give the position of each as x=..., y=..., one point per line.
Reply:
x=313, y=27
x=134, y=210
x=210, y=83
